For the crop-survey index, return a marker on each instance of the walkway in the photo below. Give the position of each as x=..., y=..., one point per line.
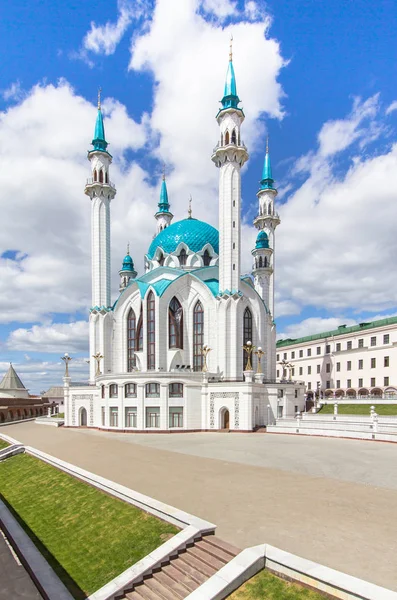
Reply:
x=15, y=583
x=332, y=501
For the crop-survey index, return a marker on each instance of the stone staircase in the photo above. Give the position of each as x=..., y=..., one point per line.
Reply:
x=185, y=572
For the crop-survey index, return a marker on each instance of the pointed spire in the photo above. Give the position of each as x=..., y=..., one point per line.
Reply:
x=99, y=142
x=11, y=380
x=189, y=212
x=230, y=98
x=267, y=180
x=128, y=263
x=163, y=203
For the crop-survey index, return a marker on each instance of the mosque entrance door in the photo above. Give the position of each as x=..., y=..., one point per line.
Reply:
x=83, y=417
x=226, y=420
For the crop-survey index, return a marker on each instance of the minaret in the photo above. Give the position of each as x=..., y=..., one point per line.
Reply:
x=163, y=216
x=261, y=267
x=229, y=156
x=101, y=191
x=267, y=219
x=127, y=271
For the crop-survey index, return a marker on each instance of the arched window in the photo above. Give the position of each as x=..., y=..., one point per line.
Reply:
x=182, y=257
x=139, y=332
x=95, y=175
x=206, y=258
x=234, y=137
x=265, y=262
x=152, y=390
x=151, y=332
x=175, y=324
x=247, y=333
x=260, y=262
x=101, y=176
x=227, y=139
x=198, y=336
x=161, y=258
x=131, y=337
x=106, y=177
x=113, y=390
x=130, y=390
x=176, y=390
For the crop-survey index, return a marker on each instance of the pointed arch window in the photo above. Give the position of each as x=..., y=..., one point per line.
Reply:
x=161, y=258
x=139, y=332
x=131, y=340
x=227, y=139
x=151, y=332
x=206, y=258
x=106, y=177
x=260, y=262
x=247, y=332
x=175, y=324
x=95, y=175
x=101, y=176
x=234, y=137
x=198, y=336
x=182, y=257
x=265, y=263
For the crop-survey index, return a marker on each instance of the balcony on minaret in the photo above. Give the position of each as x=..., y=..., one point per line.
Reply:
x=93, y=181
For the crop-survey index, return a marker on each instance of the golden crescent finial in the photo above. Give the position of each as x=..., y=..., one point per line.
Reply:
x=99, y=98
x=128, y=248
x=189, y=212
x=267, y=144
x=231, y=48
x=163, y=171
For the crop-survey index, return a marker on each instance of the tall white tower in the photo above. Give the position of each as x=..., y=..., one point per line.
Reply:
x=267, y=221
x=163, y=216
x=262, y=269
x=229, y=156
x=101, y=191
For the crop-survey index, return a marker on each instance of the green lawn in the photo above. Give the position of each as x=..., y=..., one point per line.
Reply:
x=359, y=409
x=87, y=536
x=3, y=444
x=266, y=586
x=58, y=416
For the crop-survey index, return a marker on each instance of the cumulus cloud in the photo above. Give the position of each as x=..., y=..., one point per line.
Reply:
x=57, y=337
x=14, y=92
x=391, y=108
x=37, y=375
x=314, y=325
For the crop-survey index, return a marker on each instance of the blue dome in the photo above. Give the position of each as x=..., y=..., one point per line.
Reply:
x=128, y=263
x=262, y=241
x=192, y=232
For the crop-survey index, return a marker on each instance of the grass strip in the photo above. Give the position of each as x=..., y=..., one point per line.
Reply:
x=3, y=444
x=87, y=536
x=359, y=409
x=266, y=586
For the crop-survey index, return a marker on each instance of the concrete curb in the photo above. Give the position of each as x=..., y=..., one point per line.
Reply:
x=289, y=566
x=12, y=451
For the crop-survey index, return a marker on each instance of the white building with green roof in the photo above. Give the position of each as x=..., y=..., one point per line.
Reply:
x=168, y=352
x=348, y=362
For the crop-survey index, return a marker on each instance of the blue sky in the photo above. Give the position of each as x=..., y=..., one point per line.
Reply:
x=319, y=77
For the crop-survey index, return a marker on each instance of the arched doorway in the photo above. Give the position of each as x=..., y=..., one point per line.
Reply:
x=83, y=417
x=224, y=421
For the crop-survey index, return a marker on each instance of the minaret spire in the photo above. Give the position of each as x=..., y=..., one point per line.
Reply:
x=163, y=215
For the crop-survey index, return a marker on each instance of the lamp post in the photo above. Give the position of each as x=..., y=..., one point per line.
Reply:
x=285, y=365
x=66, y=359
x=98, y=357
x=248, y=348
x=290, y=366
x=204, y=351
x=259, y=353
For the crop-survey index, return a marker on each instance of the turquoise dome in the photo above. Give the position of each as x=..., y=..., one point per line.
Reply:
x=128, y=263
x=262, y=241
x=192, y=232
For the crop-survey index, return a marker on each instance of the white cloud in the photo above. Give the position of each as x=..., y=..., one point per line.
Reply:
x=391, y=108
x=314, y=325
x=14, y=92
x=57, y=337
x=220, y=8
x=39, y=376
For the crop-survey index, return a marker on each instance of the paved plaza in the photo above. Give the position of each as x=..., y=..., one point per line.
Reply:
x=330, y=500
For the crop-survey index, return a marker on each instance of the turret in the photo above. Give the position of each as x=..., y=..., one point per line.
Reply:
x=262, y=266
x=163, y=216
x=127, y=271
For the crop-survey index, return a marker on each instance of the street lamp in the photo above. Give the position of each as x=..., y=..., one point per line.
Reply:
x=259, y=353
x=285, y=366
x=248, y=348
x=66, y=359
x=98, y=357
x=205, y=350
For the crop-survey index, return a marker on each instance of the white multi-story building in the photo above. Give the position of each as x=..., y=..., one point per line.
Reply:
x=168, y=353
x=351, y=362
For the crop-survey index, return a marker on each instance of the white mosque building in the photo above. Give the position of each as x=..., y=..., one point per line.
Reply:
x=191, y=343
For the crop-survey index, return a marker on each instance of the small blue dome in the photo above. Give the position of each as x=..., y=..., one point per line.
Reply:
x=192, y=232
x=262, y=241
x=128, y=263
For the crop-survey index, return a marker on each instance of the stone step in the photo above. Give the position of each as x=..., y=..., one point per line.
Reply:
x=225, y=546
x=180, y=577
x=178, y=589
x=215, y=551
x=201, y=567
x=206, y=558
x=157, y=587
x=187, y=569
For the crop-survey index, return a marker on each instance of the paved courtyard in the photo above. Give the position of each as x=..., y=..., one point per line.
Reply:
x=330, y=500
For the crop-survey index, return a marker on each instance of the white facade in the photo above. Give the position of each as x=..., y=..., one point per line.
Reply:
x=169, y=352
x=356, y=361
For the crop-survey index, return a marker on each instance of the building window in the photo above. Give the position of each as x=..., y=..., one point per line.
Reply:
x=103, y=413
x=152, y=390
x=247, y=334
x=113, y=390
x=151, y=332
x=278, y=374
x=300, y=370
x=328, y=368
x=176, y=390
x=182, y=257
x=152, y=416
x=386, y=340
x=278, y=357
x=300, y=353
x=114, y=416
x=373, y=341
x=292, y=355
x=338, y=366
x=349, y=383
x=139, y=332
x=328, y=385
x=284, y=356
x=373, y=363
x=318, y=368
x=102, y=391
x=327, y=349
x=130, y=416
x=309, y=385
x=130, y=390
x=293, y=372
x=198, y=336
x=338, y=347
x=338, y=383
x=385, y=381
x=372, y=381
x=175, y=324
x=349, y=346
x=309, y=351
x=386, y=361
x=296, y=395
x=360, y=364
x=349, y=365
x=360, y=383
x=131, y=337
x=206, y=259
x=318, y=350
x=361, y=343
x=176, y=416
x=309, y=370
